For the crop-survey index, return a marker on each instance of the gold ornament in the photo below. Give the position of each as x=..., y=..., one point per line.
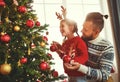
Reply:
x=2, y=33
x=7, y=19
x=42, y=44
x=35, y=18
x=19, y=64
x=19, y=16
x=5, y=69
x=16, y=28
x=15, y=9
x=29, y=51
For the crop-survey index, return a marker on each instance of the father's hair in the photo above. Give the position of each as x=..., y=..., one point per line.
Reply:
x=97, y=19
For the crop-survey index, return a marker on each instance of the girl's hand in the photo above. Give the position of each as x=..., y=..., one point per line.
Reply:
x=57, y=45
x=72, y=66
x=57, y=48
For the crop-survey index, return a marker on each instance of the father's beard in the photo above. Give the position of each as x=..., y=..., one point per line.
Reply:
x=86, y=39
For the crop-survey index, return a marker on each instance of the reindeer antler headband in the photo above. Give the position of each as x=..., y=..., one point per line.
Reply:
x=63, y=15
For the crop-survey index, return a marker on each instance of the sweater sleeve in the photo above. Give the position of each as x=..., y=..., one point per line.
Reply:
x=82, y=52
x=105, y=66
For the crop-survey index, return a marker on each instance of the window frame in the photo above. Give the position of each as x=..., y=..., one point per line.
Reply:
x=114, y=9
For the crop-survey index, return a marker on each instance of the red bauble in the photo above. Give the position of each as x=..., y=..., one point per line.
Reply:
x=37, y=23
x=22, y=9
x=45, y=38
x=50, y=56
x=53, y=48
x=23, y=60
x=55, y=74
x=5, y=38
x=44, y=66
x=66, y=59
x=33, y=46
x=2, y=3
x=30, y=23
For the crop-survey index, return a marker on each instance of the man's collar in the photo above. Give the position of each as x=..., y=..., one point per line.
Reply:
x=95, y=40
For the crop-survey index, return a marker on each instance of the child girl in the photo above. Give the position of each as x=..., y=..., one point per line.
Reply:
x=74, y=47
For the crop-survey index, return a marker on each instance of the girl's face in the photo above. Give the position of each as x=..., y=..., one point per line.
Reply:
x=65, y=29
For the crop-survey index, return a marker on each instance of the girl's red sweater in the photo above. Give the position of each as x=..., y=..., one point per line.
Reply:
x=81, y=53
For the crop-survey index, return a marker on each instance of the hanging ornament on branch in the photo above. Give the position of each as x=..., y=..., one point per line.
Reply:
x=30, y=23
x=37, y=23
x=7, y=20
x=49, y=56
x=45, y=38
x=29, y=49
x=19, y=63
x=2, y=33
x=5, y=38
x=55, y=73
x=53, y=48
x=44, y=66
x=5, y=69
x=23, y=60
x=16, y=28
x=33, y=45
x=2, y=3
x=42, y=44
x=22, y=9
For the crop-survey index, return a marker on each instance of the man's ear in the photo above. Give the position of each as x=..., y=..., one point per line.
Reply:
x=97, y=31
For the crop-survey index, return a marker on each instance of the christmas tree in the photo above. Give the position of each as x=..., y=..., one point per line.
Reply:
x=24, y=54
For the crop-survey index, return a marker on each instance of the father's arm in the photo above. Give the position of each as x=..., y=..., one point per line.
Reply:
x=105, y=66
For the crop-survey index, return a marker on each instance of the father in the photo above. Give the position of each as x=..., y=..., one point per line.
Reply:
x=101, y=54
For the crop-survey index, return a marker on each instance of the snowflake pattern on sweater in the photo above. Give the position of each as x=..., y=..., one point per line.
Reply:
x=99, y=65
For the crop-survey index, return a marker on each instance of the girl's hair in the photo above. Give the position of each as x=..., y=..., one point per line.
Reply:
x=97, y=19
x=70, y=22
